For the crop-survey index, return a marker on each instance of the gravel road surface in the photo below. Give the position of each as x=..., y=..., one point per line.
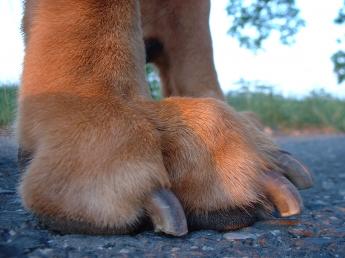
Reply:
x=318, y=232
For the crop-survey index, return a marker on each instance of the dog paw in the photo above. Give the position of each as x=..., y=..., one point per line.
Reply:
x=94, y=167
x=224, y=170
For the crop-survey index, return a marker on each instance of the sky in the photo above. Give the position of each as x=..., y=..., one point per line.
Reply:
x=293, y=70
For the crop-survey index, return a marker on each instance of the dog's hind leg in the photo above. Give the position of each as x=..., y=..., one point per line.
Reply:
x=178, y=41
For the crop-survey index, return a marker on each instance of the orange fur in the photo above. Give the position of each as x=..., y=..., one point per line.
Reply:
x=100, y=145
x=95, y=157
x=213, y=156
x=186, y=62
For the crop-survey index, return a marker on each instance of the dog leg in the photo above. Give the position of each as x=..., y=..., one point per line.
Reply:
x=96, y=162
x=178, y=42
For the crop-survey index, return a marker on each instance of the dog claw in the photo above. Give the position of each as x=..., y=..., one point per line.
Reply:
x=283, y=195
x=167, y=214
x=297, y=173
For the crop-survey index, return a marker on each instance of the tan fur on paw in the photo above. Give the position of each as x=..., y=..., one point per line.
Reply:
x=96, y=167
x=219, y=163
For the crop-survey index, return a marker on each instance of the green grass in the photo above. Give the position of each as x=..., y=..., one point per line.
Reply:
x=8, y=95
x=319, y=110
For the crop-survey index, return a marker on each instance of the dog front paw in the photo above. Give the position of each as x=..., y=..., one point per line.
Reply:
x=225, y=171
x=95, y=167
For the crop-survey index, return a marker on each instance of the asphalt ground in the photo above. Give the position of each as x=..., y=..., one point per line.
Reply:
x=318, y=232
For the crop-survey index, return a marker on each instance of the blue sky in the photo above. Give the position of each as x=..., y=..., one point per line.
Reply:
x=294, y=70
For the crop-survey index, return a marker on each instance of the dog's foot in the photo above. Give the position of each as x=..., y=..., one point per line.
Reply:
x=225, y=171
x=95, y=167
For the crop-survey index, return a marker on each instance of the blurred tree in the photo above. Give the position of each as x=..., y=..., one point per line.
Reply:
x=153, y=81
x=339, y=57
x=339, y=65
x=254, y=21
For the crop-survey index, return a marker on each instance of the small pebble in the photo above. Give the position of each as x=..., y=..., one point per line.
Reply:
x=46, y=251
x=124, y=251
x=300, y=232
x=239, y=236
x=328, y=184
x=319, y=202
x=275, y=232
x=333, y=218
x=207, y=248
